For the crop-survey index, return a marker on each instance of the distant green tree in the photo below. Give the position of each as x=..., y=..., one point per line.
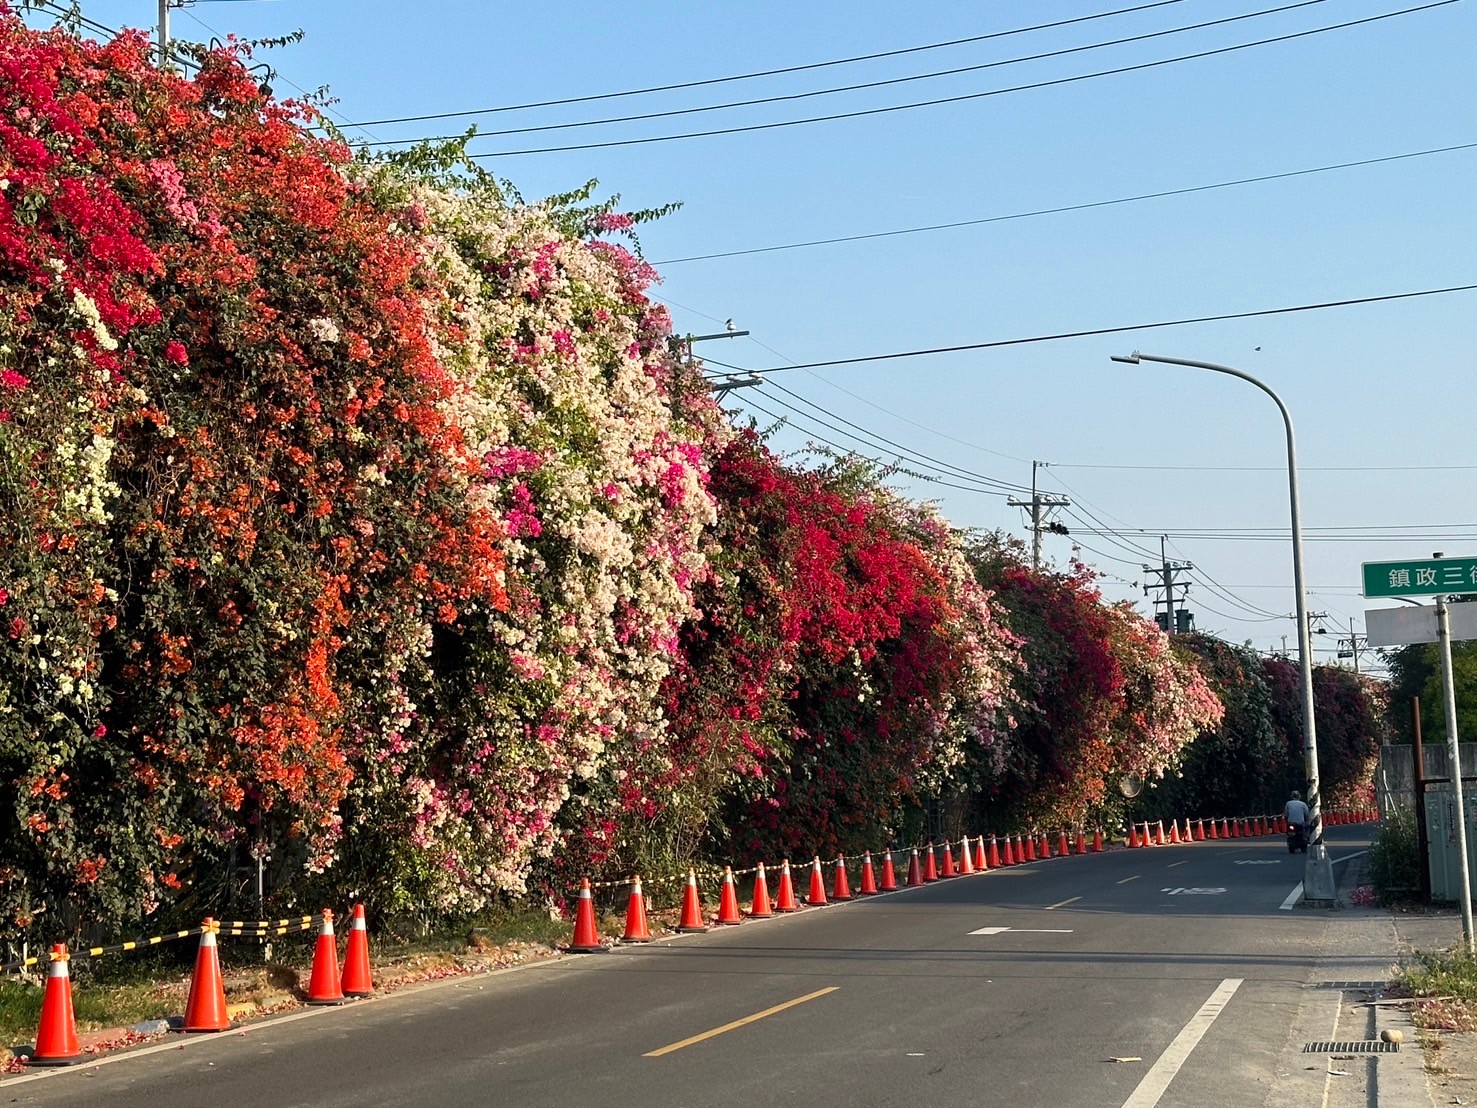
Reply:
x=1416, y=671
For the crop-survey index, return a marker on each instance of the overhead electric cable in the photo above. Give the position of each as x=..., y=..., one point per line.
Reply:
x=965, y=97
x=940, y=476
x=770, y=72
x=1009, y=486
x=1066, y=208
x=896, y=467
x=1118, y=330
x=783, y=98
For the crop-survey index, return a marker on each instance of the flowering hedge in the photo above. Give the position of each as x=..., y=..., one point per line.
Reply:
x=1106, y=695
x=364, y=523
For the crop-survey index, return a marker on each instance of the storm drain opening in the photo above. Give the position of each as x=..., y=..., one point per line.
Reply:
x=1351, y=1048
x=1350, y=986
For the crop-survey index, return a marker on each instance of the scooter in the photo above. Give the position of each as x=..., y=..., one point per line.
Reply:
x=1297, y=838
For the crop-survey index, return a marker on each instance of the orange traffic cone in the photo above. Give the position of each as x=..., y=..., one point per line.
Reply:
x=324, y=987
x=981, y=855
x=1159, y=839
x=995, y=862
x=1081, y=841
x=1174, y=832
x=841, y=890
x=759, y=907
x=1281, y=825
x=915, y=874
x=966, y=858
x=1200, y=830
x=948, y=869
x=692, y=907
x=889, y=876
x=1133, y=835
x=869, y=877
x=356, y=980
x=1044, y=850
x=1097, y=840
x=1009, y=857
x=56, y=1038
x=1030, y=845
x=930, y=867
x=1211, y=834
x=728, y=909
x=817, y=897
x=636, y=929
x=1061, y=845
x=785, y=900
x=205, y=1010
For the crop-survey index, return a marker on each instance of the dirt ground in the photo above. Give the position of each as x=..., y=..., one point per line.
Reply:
x=1451, y=1066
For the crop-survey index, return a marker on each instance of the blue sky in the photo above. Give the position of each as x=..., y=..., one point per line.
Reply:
x=1371, y=388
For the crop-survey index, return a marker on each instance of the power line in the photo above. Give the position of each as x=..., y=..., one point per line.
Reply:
x=864, y=85
x=1065, y=208
x=1268, y=469
x=965, y=97
x=969, y=473
x=768, y=72
x=1118, y=330
x=940, y=476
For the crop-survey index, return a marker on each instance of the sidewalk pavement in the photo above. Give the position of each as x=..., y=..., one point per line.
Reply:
x=1361, y=948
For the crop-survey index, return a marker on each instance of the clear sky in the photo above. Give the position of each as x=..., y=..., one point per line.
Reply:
x=1381, y=393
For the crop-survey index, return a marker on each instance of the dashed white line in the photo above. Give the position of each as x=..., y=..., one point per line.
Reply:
x=1292, y=898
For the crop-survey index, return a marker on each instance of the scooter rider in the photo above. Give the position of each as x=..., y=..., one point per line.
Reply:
x=1297, y=813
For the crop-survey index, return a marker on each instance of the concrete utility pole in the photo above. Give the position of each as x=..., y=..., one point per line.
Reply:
x=1166, y=574
x=163, y=33
x=1040, y=504
x=1453, y=743
x=1357, y=644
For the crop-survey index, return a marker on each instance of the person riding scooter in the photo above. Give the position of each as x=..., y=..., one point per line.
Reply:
x=1299, y=833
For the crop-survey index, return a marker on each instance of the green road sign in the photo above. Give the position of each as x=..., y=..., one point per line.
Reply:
x=1420, y=578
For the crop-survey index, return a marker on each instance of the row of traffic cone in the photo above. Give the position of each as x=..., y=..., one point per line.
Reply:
x=1231, y=827
x=974, y=857
x=205, y=1010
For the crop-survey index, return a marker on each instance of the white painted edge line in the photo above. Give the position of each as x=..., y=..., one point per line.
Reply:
x=1162, y=1072
x=1292, y=898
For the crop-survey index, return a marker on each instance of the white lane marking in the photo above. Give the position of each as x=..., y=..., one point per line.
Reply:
x=1182, y=891
x=1126, y=880
x=1292, y=898
x=1257, y=862
x=1173, y=864
x=1023, y=930
x=1346, y=857
x=1162, y=1072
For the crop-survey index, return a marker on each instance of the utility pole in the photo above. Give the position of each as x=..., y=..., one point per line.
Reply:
x=163, y=33
x=1355, y=645
x=1040, y=505
x=1166, y=571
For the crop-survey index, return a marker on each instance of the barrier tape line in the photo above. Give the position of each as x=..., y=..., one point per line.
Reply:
x=233, y=928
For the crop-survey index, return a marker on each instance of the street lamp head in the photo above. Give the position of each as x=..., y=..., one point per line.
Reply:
x=1130, y=359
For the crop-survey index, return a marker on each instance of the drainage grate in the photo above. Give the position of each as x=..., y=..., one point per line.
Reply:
x=1349, y=985
x=1351, y=1048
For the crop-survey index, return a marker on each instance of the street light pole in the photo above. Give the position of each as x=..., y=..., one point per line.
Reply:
x=1318, y=887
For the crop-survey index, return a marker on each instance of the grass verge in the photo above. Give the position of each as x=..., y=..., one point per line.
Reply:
x=1444, y=985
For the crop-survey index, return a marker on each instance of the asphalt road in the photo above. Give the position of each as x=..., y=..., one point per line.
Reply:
x=1178, y=957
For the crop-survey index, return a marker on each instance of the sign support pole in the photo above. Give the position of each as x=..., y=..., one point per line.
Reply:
x=1443, y=635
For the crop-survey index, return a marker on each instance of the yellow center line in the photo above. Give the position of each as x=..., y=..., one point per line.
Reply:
x=1126, y=880
x=1062, y=903
x=1173, y=864
x=740, y=1023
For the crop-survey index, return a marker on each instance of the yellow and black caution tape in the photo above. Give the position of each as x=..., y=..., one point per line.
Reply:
x=235, y=928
